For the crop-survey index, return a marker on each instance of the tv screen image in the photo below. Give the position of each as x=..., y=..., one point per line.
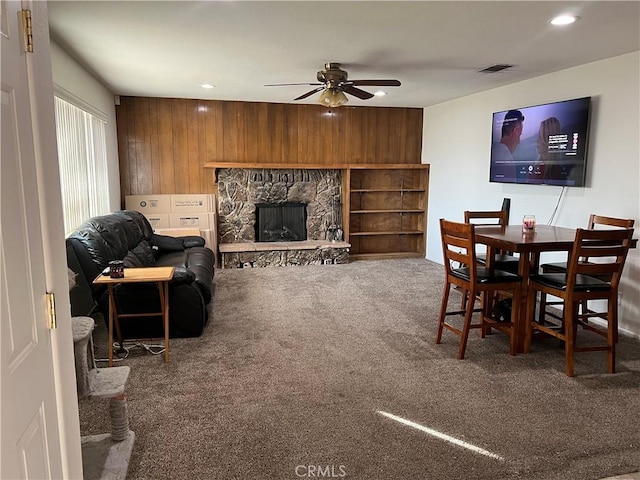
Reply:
x=541, y=144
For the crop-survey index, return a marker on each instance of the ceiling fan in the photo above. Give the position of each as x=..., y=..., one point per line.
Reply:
x=333, y=83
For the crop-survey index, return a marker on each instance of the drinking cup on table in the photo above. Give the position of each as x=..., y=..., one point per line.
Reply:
x=529, y=223
x=116, y=269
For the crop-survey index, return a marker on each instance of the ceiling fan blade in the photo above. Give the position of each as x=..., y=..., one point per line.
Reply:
x=289, y=84
x=356, y=92
x=376, y=83
x=309, y=93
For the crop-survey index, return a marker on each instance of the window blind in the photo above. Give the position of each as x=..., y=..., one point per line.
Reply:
x=83, y=164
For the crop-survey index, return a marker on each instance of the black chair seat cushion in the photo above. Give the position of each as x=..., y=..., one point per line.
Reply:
x=502, y=261
x=584, y=283
x=486, y=275
x=558, y=267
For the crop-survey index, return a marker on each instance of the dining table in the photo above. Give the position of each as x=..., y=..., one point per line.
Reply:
x=529, y=245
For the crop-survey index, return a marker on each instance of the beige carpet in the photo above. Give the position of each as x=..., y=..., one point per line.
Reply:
x=292, y=372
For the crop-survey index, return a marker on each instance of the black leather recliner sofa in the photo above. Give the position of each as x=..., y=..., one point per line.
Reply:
x=127, y=235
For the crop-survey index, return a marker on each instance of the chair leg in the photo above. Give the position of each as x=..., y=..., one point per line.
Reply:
x=463, y=301
x=614, y=319
x=543, y=308
x=443, y=311
x=515, y=322
x=531, y=306
x=612, y=333
x=570, y=311
x=467, y=326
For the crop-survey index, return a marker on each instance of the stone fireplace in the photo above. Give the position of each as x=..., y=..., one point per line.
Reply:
x=239, y=190
x=301, y=206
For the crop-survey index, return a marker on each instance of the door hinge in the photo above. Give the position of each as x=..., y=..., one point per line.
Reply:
x=51, y=311
x=28, y=31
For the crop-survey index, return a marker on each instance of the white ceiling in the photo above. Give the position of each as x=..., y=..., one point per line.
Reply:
x=169, y=48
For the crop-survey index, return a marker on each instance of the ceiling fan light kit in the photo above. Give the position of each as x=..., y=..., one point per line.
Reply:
x=334, y=84
x=332, y=97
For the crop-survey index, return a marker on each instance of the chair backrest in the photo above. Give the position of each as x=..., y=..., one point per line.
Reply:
x=607, y=251
x=458, y=245
x=600, y=222
x=488, y=217
x=506, y=206
x=596, y=221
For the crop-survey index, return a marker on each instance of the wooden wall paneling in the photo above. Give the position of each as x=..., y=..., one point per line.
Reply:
x=154, y=147
x=290, y=134
x=369, y=135
x=214, y=132
x=383, y=131
x=414, y=135
x=123, y=143
x=322, y=139
x=297, y=144
x=193, y=163
x=313, y=126
x=261, y=135
x=277, y=130
x=241, y=118
x=353, y=136
x=395, y=139
x=180, y=146
x=131, y=149
x=143, y=147
x=165, y=141
x=250, y=132
x=207, y=143
x=230, y=128
x=336, y=132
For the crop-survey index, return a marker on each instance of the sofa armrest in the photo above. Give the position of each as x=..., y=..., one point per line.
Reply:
x=192, y=241
x=166, y=243
x=182, y=276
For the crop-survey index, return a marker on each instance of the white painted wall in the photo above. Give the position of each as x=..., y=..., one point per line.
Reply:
x=76, y=85
x=457, y=144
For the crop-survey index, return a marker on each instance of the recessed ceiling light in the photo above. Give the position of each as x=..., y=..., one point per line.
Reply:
x=563, y=20
x=380, y=93
x=207, y=85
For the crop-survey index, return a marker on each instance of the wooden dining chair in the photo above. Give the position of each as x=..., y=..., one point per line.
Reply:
x=584, y=281
x=503, y=260
x=463, y=271
x=595, y=222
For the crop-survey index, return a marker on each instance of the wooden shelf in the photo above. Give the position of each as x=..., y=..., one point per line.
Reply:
x=387, y=211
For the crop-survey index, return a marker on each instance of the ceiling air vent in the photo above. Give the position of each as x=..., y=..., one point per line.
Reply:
x=496, y=68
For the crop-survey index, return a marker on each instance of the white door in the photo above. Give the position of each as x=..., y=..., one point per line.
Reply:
x=31, y=446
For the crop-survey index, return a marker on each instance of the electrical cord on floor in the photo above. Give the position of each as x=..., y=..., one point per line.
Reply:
x=122, y=352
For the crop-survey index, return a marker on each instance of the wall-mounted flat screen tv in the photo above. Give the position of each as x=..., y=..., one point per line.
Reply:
x=542, y=144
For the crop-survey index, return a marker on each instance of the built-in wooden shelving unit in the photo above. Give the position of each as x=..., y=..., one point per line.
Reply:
x=387, y=210
x=384, y=205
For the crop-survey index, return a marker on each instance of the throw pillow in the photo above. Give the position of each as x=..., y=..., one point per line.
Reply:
x=166, y=243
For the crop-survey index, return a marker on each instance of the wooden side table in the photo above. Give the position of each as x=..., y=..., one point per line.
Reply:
x=161, y=277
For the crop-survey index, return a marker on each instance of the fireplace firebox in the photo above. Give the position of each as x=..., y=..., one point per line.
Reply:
x=281, y=222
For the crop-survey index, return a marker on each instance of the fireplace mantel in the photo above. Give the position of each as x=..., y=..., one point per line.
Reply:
x=311, y=166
